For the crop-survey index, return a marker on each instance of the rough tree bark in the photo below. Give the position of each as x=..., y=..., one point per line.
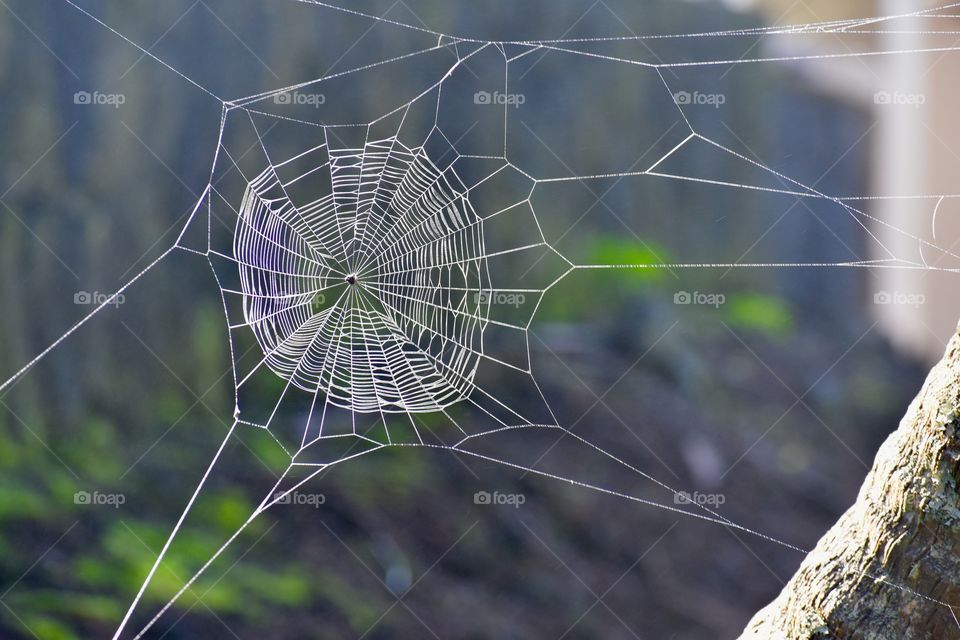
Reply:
x=891, y=564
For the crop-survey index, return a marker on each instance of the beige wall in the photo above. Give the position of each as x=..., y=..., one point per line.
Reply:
x=940, y=145
x=805, y=11
x=915, y=151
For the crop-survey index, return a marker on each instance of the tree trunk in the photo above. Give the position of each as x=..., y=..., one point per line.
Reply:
x=890, y=567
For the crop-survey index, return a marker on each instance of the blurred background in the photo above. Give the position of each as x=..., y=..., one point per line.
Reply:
x=769, y=401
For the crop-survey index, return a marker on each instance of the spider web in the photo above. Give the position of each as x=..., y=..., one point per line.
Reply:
x=389, y=269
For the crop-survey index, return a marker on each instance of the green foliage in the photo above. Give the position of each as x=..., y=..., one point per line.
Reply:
x=286, y=586
x=63, y=604
x=267, y=386
x=170, y=404
x=579, y=297
x=263, y=448
x=617, y=250
x=92, y=455
x=389, y=475
x=360, y=611
x=208, y=354
x=767, y=314
x=230, y=510
x=249, y=590
x=91, y=571
x=403, y=471
x=22, y=501
x=46, y=627
x=9, y=451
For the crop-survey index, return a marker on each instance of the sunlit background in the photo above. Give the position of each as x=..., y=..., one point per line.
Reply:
x=769, y=399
